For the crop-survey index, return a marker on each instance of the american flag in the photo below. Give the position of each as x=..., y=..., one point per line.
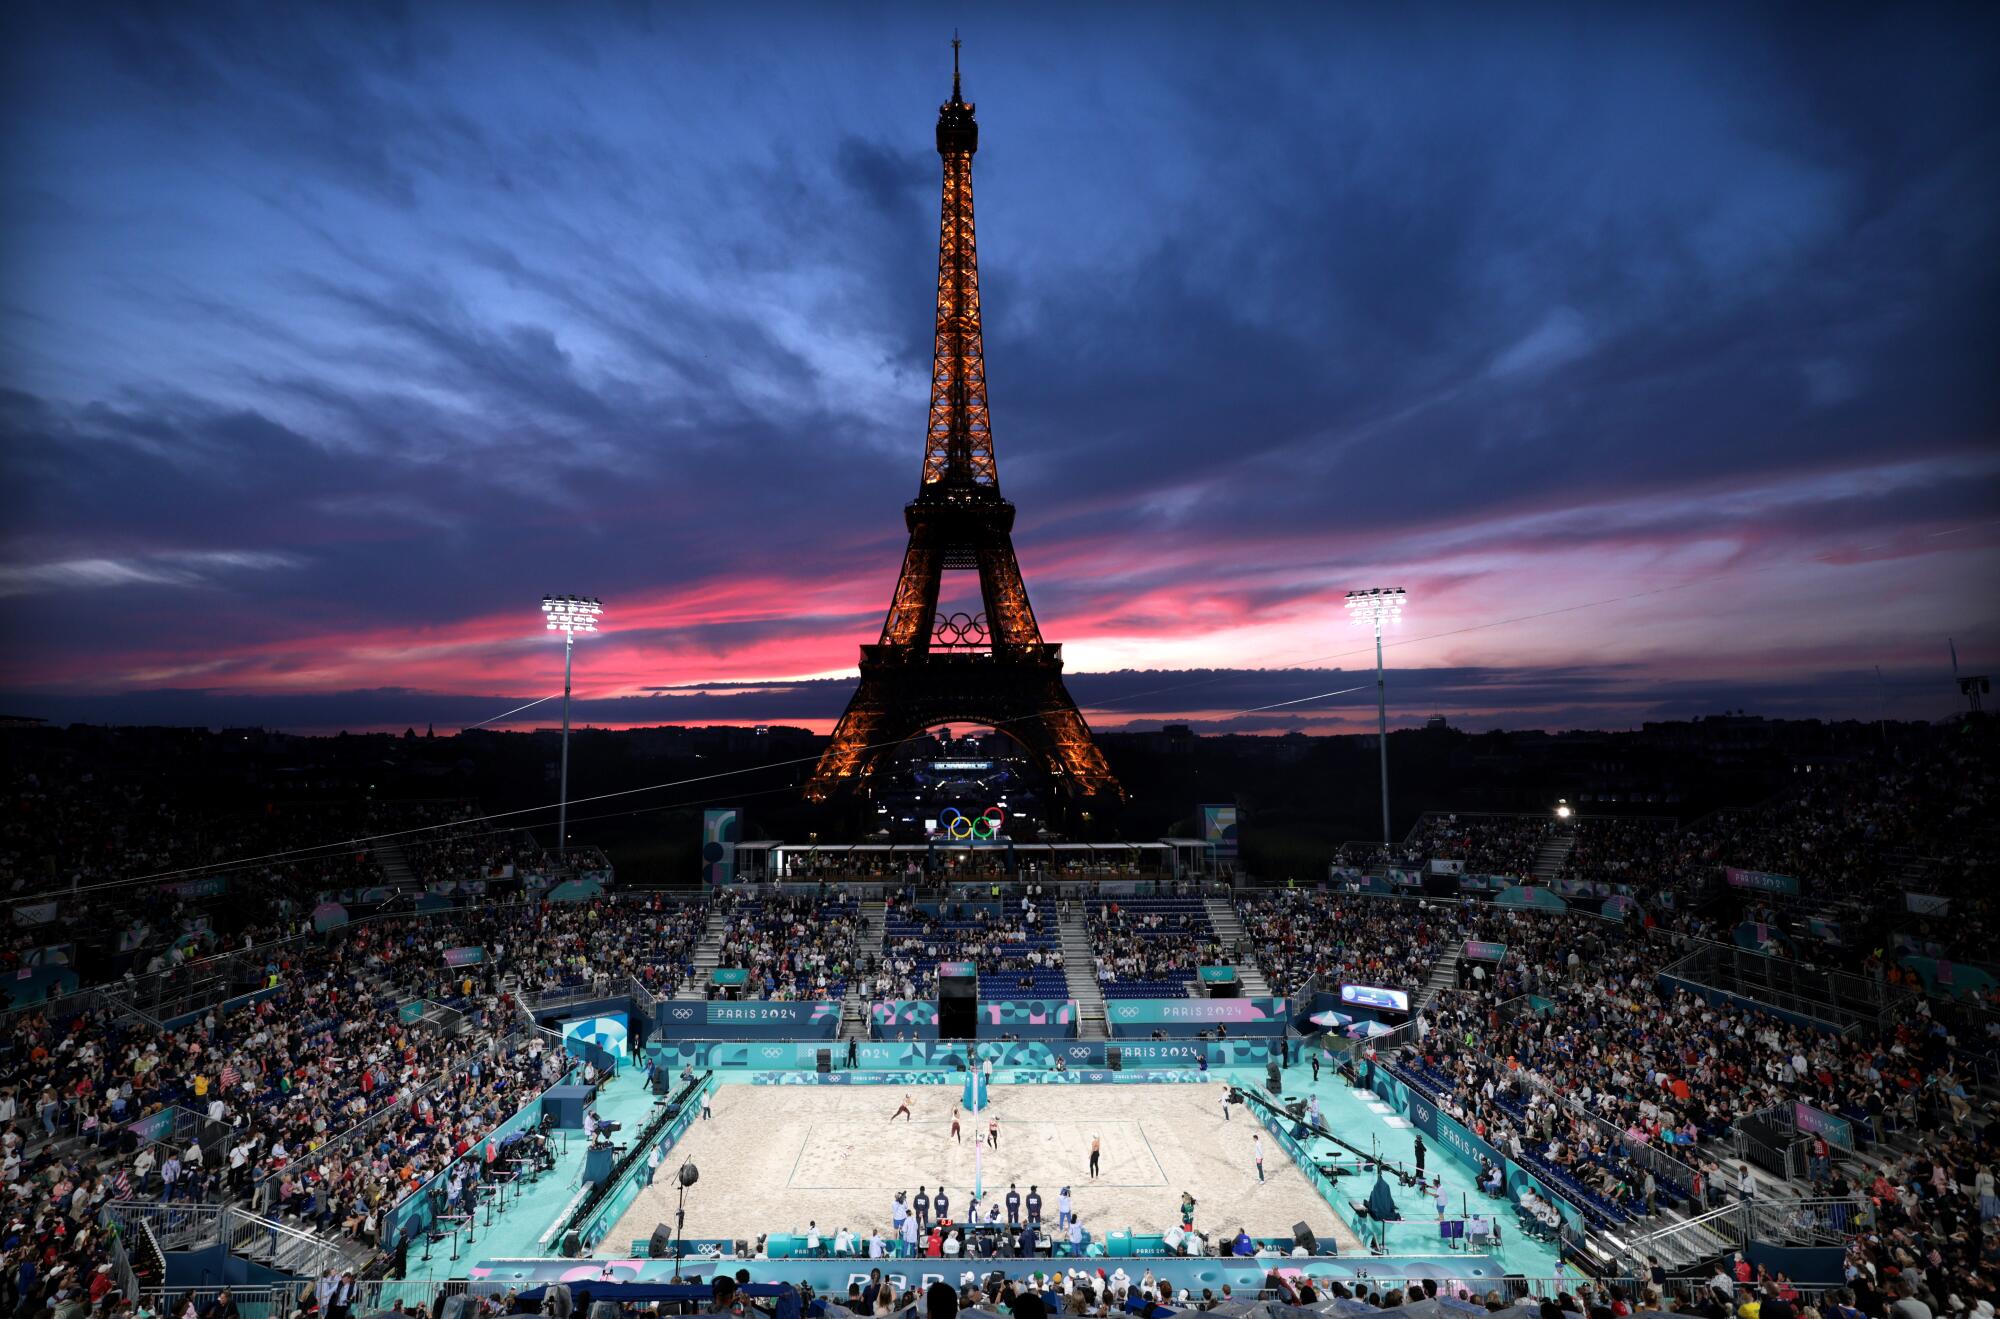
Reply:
x=123, y=1185
x=230, y=1076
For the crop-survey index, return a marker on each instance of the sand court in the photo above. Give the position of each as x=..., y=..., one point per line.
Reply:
x=778, y=1157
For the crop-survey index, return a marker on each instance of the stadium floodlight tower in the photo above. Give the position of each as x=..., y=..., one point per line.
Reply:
x=1372, y=608
x=569, y=615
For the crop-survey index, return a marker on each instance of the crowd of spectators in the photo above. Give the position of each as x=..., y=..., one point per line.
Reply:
x=1486, y=844
x=652, y=941
x=1609, y=851
x=474, y=849
x=1150, y=947
x=1935, y=1229
x=326, y=1099
x=1576, y=1010
x=1104, y=1289
x=803, y=946
x=1915, y=813
x=73, y=848
x=1295, y=935
x=1014, y=945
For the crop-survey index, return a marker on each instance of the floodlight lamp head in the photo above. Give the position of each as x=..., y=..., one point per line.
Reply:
x=571, y=614
x=1377, y=605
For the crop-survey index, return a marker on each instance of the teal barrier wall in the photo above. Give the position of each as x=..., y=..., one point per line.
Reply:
x=908, y=1018
x=1950, y=979
x=1075, y=1076
x=1027, y=1018
x=748, y=1019
x=1191, y=1016
x=1447, y=1132
x=33, y=984
x=1021, y=1056
x=1527, y=895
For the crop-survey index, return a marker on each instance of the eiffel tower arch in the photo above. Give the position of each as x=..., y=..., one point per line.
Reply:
x=992, y=667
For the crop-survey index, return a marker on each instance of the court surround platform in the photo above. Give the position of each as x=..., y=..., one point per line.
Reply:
x=776, y=1158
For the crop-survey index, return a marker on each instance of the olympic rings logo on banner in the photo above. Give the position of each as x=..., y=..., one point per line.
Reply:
x=954, y=823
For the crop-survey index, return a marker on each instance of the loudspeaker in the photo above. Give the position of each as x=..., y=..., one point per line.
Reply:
x=572, y=1244
x=662, y=1244
x=826, y=1060
x=1303, y=1236
x=1114, y=1058
x=1274, y=1080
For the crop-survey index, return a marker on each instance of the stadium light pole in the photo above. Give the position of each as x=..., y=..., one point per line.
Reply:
x=569, y=615
x=1372, y=608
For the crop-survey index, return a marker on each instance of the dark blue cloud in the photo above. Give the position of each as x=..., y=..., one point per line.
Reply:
x=485, y=300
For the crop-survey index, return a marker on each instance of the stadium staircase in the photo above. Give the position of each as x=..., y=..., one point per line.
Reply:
x=706, y=957
x=1229, y=928
x=449, y=1020
x=1080, y=971
x=1549, y=860
x=276, y=1245
x=1444, y=975
x=867, y=957
x=396, y=872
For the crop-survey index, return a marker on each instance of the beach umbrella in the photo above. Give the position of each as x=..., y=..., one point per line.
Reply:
x=1329, y=1019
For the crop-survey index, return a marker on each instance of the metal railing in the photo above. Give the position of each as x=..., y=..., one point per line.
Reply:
x=173, y=1225
x=1819, y=1222
x=291, y=1249
x=643, y=996
x=121, y=1263
x=1645, y=1154
x=1839, y=1000
x=1770, y=1139
x=251, y=1302
x=371, y=1296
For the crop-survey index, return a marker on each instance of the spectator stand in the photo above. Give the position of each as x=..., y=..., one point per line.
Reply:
x=1150, y=946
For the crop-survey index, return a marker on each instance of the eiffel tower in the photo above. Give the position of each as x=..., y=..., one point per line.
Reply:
x=991, y=667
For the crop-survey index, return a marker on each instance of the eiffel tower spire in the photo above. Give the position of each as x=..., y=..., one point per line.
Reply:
x=958, y=454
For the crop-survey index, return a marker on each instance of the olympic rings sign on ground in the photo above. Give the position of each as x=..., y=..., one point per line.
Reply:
x=954, y=823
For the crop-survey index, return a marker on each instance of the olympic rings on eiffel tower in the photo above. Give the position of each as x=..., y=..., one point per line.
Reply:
x=960, y=630
x=986, y=824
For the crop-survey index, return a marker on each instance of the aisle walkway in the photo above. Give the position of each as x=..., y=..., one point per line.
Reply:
x=527, y=1223
x=1364, y=1120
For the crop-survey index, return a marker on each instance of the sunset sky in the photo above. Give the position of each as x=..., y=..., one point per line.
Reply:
x=1655, y=355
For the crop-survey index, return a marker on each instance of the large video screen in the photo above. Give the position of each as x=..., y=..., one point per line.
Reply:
x=1372, y=996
